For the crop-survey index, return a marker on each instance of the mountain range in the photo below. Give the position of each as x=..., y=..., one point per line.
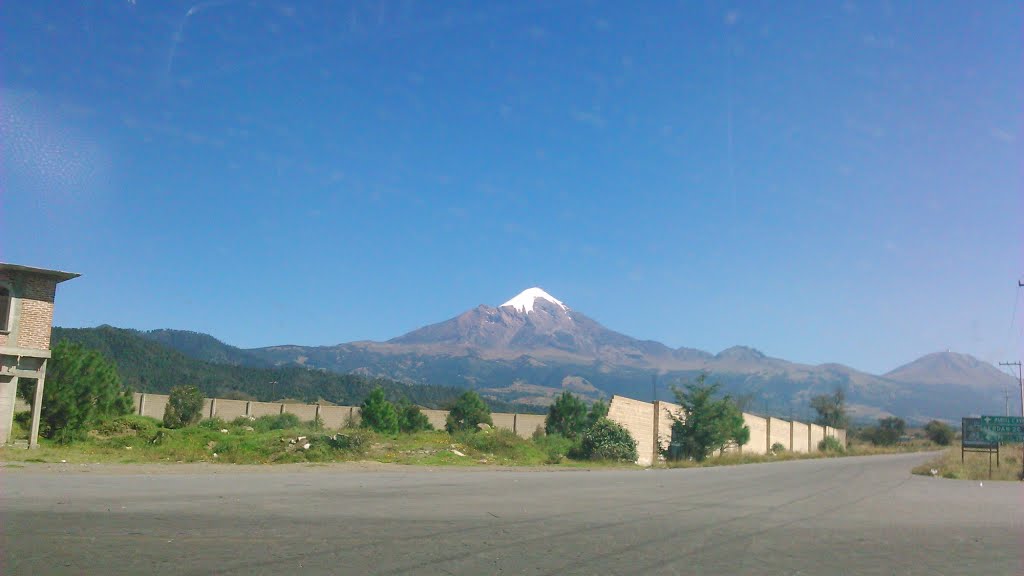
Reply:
x=533, y=346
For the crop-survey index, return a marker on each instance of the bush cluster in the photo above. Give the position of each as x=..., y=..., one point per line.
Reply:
x=468, y=413
x=184, y=407
x=381, y=415
x=607, y=440
x=831, y=444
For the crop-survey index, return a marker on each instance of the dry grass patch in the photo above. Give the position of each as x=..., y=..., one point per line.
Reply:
x=974, y=465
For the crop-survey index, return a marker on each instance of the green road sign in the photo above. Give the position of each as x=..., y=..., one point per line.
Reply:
x=993, y=429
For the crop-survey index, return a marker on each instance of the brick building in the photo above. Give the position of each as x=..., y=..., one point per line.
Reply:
x=26, y=317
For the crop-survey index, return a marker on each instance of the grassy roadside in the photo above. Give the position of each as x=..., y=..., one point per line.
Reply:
x=282, y=439
x=857, y=448
x=279, y=439
x=974, y=465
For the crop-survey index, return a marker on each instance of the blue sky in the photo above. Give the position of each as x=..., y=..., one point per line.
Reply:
x=824, y=181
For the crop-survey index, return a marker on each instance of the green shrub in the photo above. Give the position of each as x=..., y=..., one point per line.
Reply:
x=355, y=441
x=887, y=433
x=275, y=422
x=184, y=407
x=378, y=414
x=939, y=432
x=607, y=440
x=556, y=448
x=128, y=424
x=498, y=440
x=831, y=444
x=412, y=419
x=23, y=419
x=469, y=411
x=82, y=388
x=215, y=423
x=778, y=448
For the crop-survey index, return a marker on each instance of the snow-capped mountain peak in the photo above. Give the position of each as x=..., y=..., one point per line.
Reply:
x=523, y=301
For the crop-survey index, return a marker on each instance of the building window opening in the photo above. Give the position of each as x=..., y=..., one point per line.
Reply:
x=5, y=308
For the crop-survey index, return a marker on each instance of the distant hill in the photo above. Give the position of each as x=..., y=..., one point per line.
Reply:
x=951, y=368
x=147, y=365
x=204, y=347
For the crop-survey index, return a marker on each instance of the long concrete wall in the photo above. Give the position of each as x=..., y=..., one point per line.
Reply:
x=651, y=427
x=333, y=416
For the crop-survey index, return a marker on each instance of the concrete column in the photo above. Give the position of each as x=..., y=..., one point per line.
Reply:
x=809, y=447
x=248, y=408
x=9, y=393
x=792, y=447
x=316, y=415
x=213, y=407
x=282, y=409
x=515, y=423
x=657, y=428
x=37, y=406
x=142, y=403
x=768, y=435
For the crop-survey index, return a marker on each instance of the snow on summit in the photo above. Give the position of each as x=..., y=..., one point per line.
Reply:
x=523, y=302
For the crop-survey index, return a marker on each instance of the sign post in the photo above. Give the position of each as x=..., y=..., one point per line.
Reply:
x=985, y=434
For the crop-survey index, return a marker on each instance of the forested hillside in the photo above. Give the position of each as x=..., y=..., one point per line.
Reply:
x=148, y=366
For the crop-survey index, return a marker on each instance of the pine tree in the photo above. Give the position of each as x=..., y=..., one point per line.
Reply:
x=378, y=414
x=705, y=424
x=567, y=416
x=81, y=388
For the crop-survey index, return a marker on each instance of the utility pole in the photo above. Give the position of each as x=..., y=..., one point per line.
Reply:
x=1020, y=378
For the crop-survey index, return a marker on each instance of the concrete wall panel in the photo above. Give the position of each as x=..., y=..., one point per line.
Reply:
x=437, y=418
x=155, y=405
x=503, y=420
x=800, y=431
x=841, y=436
x=264, y=408
x=758, y=434
x=230, y=409
x=526, y=424
x=335, y=417
x=638, y=418
x=817, y=435
x=779, y=432
x=665, y=412
x=305, y=412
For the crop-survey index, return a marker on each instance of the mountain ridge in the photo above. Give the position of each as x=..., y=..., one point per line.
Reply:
x=534, y=346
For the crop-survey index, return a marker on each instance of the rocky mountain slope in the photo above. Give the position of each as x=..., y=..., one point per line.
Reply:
x=534, y=345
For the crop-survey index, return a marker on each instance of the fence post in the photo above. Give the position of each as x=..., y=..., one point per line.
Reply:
x=768, y=435
x=213, y=407
x=791, y=446
x=515, y=423
x=810, y=448
x=316, y=414
x=282, y=408
x=248, y=408
x=142, y=403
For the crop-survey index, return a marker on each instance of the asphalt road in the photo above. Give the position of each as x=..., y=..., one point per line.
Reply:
x=837, y=516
